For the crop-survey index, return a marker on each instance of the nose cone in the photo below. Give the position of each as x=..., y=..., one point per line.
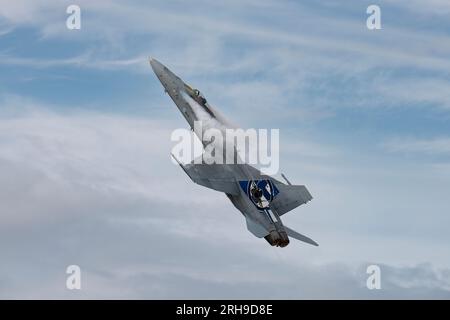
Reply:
x=156, y=66
x=168, y=79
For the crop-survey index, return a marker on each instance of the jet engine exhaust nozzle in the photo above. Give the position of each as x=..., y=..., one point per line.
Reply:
x=278, y=239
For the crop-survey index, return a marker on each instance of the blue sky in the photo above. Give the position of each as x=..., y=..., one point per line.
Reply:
x=85, y=137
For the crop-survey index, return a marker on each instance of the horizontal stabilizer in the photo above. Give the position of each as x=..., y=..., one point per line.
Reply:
x=294, y=234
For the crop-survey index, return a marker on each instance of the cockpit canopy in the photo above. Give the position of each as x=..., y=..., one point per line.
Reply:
x=200, y=97
x=198, y=93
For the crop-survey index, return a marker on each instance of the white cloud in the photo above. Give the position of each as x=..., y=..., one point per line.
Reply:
x=432, y=7
x=113, y=22
x=434, y=146
x=85, y=60
x=416, y=91
x=296, y=70
x=100, y=191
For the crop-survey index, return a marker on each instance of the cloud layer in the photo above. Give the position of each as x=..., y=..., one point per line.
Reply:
x=88, y=189
x=86, y=177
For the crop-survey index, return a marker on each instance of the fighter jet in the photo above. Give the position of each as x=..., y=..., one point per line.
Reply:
x=261, y=199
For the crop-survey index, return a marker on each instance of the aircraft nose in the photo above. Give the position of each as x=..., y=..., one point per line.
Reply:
x=168, y=79
x=156, y=66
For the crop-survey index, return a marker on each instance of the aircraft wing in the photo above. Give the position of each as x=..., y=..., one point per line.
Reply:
x=223, y=177
x=219, y=177
x=290, y=197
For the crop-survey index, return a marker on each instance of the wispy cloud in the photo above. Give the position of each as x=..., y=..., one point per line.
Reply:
x=337, y=64
x=433, y=7
x=85, y=60
x=434, y=146
x=397, y=46
x=417, y=91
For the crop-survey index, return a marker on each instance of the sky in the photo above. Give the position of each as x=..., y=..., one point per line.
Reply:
x=85, y=170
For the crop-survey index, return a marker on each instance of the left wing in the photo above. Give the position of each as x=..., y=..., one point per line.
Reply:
x=219, y=177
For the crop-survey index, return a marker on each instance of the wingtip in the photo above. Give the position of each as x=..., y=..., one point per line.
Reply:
x=178, y=161
x=175, y=158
